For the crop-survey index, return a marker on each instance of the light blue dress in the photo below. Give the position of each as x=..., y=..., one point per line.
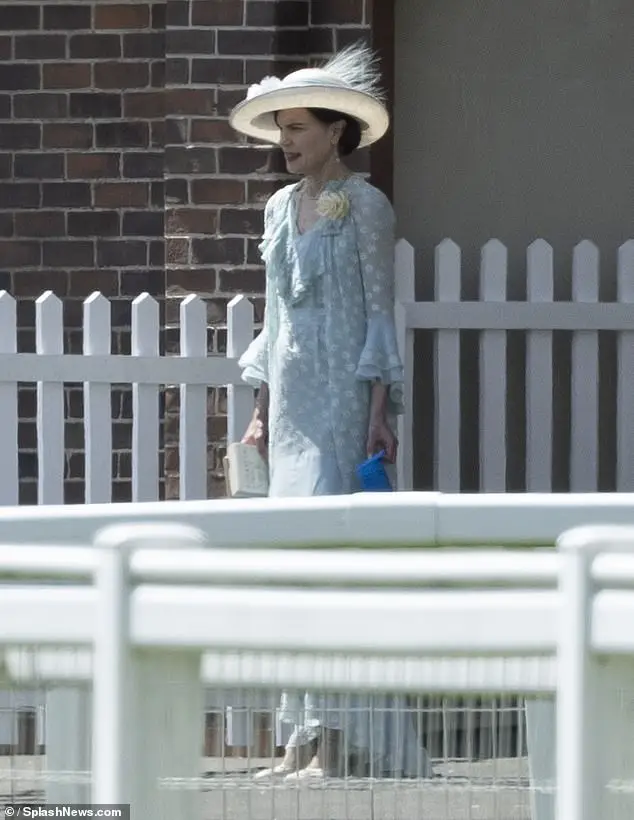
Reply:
x=328, y=334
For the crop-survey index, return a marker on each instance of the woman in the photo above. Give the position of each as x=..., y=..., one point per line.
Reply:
x=326, y=362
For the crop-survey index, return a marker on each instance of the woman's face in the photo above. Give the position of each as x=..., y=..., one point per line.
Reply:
x=307, y=143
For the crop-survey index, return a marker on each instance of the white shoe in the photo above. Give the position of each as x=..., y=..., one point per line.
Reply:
x=310, y=773
x=276, y=771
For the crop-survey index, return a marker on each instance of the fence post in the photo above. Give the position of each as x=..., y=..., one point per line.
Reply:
x=595, y=711
x=239, y=337
x=9, y=478
x=405, y=293
x=148, y=703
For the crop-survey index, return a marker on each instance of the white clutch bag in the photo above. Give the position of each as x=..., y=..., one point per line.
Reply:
x=246, y=472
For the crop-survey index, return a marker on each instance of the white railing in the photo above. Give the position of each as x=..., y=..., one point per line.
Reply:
x=151, y=591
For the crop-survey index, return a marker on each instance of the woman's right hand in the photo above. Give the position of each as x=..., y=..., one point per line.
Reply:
x=257, y=434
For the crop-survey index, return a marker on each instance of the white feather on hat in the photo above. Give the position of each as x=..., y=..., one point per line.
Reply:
x=348, y=83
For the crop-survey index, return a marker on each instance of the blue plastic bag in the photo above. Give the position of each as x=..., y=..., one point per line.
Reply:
x=373, y=476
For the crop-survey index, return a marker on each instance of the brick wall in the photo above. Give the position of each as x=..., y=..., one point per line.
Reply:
x=119, y=173
x=81, y=191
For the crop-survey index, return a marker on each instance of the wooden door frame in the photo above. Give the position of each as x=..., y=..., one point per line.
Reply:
x=384, y=42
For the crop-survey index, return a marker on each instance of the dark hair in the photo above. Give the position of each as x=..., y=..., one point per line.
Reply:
x=351, y=135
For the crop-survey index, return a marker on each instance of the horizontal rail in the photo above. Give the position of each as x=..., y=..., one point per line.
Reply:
x=571, y=316
x=229, y=671
x=389, y=622
x=368, y=520
x=382, y=624
x=309, y=568
x=213, y=371
x=346, y=568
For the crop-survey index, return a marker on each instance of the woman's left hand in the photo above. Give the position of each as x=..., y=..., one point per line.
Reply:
x=381, y=437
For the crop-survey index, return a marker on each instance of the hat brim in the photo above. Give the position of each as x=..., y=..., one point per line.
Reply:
x=255, y=117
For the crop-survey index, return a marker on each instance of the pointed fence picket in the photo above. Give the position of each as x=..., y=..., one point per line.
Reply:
x=584, y=317
x=9, y=487
x=97, y=409
x=539, y=373
x=625, y=373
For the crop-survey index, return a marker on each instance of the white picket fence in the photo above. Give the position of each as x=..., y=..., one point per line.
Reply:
x=538, y=317
x=446, y=317
x=145, y=370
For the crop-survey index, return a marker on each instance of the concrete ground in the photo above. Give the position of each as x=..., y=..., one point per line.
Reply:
x=484, y=790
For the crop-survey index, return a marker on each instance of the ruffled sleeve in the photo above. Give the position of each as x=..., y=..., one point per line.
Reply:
x=380, y=360
x=254, y=362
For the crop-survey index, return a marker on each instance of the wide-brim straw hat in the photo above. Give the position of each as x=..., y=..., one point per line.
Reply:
x=348, y=84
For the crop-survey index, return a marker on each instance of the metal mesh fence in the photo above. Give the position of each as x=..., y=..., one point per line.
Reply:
x=409, y=755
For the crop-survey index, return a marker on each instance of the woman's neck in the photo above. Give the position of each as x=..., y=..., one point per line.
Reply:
x=315, y=182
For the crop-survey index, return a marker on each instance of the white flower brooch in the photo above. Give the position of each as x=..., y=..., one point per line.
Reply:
x=333, y=205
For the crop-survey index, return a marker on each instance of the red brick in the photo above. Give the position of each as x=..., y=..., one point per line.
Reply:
x=121, y=194
x=121, y=74
x=35, y=283
x=145, y=104
x=336, y=12
x=92, y=166
x=241, y=280
x=67, y=135
x=20, y=254
x=19, y=18
x=259, y=190
x=144, y=45
x=66, y=75
x=41, y=223
x=241, y=221
x=66, y=253
x=196, y=101
x=217, y=191
x=217, y=13
x=64, y=17
x=192, y=221
x=215, y=71
x=177, y=251
x=283, y=13
x=91, y=46
x=122, y=17
x=84, y=282
x=39, y=47
x=243, y=160
x=197, y=160
x=214, y=251
x=6, y=224
x=212, y=131
x=191, y=280
x=246, y=41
